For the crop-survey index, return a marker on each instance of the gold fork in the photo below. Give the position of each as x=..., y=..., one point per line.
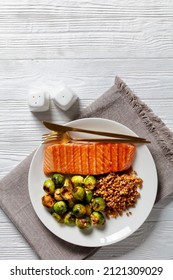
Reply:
x=64, y=137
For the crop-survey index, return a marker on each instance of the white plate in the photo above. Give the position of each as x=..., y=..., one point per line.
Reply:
x=115, y=229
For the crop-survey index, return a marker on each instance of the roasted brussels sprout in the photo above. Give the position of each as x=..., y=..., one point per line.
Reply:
x=49, y=186
x=83, y=223
x=57, y=194
x=88, y=196
x=79, y=193
x=90, y=182
x=66, y=193
x=98, y=204
x=97, y=218
x=77, y=180
x=71, y=203
x=68, y=183
x=60, y=207
x=88, y=210
x=57, y=217
x=48, y=201
x=58, y=180
x=79, y=210
x=70, y=219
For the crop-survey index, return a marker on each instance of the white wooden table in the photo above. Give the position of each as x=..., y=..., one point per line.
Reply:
x=85, y=44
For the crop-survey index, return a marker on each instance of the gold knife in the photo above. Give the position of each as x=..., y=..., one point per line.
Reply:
x=64, y=128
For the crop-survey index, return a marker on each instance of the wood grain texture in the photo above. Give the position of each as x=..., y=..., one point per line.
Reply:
x=85, y=44
x=58, y=29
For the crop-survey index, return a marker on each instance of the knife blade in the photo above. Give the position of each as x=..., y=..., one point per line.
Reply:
x=64, y=128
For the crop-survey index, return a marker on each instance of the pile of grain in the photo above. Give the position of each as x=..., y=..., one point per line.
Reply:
x=120, y=192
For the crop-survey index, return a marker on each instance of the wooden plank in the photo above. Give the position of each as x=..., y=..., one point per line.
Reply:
x=147, y=44
x=56, y=30
x=150, y=79
x=58, y=17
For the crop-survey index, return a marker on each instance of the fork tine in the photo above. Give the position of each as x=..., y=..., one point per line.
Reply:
x=47, y=136
x=52, y=137
x=44, y=136
x=52, y=133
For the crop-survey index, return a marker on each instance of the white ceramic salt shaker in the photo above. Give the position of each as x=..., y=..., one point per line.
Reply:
x=63, y=96
x=38, y=100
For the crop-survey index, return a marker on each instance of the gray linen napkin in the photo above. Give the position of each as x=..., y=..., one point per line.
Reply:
x=119, y=104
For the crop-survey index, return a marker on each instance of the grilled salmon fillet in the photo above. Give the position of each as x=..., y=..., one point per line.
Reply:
x=85, y=158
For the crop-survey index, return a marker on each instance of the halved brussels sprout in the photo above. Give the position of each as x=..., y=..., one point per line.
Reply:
x=70, y=219
x=71, y=203
x=49, y=186
x=79, y=193
x=83, y=223
x=57, y=217
x=79, y=210
x=77, y=180
x=88, y=209
x=48, y=201
x=57, y=194
x=58, y=180
x=90, y=182
x=68, y=183
x=97, y=218
x=98, y=204
x=60, y=207
x=88, y=196
x=66, y=193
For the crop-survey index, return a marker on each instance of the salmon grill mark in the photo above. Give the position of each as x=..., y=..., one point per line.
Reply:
x=84, y=159
x=57, y=160
x=77, y=159
x=70, y=159
x=91, y=157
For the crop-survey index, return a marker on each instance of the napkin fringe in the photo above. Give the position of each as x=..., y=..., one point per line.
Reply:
x=163, y=135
